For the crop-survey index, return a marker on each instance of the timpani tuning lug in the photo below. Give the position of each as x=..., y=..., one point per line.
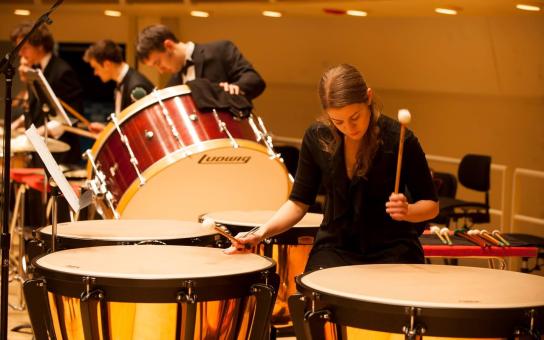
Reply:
x=186, y=293
x=413, y=331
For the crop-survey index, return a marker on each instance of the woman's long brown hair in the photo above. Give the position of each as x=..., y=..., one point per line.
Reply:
x=340, y=86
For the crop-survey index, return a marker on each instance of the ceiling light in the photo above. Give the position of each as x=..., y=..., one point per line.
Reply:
x=24, y=12
x=525, y=7
x=448, y=11
x=272, y=14
x=356, y=13
x=200, y=14
x=112, y=13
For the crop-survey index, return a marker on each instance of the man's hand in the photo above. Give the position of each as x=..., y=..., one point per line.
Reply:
x=230, y=88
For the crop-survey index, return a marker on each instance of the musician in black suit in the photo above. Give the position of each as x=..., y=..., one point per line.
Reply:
x=38, y=52
x=106, y=59
x=220, y=62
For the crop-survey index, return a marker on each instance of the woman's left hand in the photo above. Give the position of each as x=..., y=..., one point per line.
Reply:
x=397, y=207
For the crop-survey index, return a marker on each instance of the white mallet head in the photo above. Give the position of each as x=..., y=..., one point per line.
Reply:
x=434, y=229
x=445, y=231
x=404, y=117
x=208, y=223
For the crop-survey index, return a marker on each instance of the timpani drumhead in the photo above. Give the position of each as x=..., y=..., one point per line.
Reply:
x=431, y=286
x=254, y=218
x=151, y=262
x=129, y=230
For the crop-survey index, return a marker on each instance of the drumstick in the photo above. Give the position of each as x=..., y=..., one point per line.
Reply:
x=435, y=230
x=476, y=234
x=498, y=235
x=74, y=113
x=404, y=119
x=79, y=131
x=486, y=235
x=209, y=223
x=461, y=233
x=446, y=233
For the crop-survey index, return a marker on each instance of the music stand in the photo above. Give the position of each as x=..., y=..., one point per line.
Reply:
x=43, y=90
x=60, y=180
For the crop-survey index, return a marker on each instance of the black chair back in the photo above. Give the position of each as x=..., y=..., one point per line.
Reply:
x=474, y=172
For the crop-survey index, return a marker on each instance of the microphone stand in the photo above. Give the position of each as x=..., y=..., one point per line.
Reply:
x=6, y=68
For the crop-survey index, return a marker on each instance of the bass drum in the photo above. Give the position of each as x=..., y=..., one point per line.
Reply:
x=162, y=158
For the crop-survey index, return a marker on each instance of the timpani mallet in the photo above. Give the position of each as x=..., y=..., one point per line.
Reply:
x=404, y=119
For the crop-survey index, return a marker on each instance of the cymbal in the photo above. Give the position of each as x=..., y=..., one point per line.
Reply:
x=22, y=144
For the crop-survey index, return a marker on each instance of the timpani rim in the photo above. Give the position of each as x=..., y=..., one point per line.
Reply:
x=261, y=264
x=354, y=272
x=157, y=226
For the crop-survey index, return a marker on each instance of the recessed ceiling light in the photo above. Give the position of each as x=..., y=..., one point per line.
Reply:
x=525, y=7
x=200, y=14
x=448, y=11
x=24, y=12
x=272, y=14
x=356, y=13
x=112, y=13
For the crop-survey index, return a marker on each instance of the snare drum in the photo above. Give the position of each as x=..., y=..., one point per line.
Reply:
x=290, y=249
x=433, y=300
x=162, y=158
x=111, y=232
x=91, y=293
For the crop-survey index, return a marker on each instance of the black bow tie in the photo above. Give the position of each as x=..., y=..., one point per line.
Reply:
x=185, y=67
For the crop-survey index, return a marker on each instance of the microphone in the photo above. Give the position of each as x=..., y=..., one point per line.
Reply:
x=137, y=93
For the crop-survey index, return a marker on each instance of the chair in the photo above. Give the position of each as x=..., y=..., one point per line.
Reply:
x=474, y=173
x=446, y=188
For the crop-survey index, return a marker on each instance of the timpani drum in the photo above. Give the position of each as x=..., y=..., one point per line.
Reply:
x=162, y=158
x=290, y=249
x=415, y=300
x=123, y=232
x=89, y=293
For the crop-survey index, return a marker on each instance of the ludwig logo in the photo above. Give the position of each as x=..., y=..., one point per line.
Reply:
x=205, y=159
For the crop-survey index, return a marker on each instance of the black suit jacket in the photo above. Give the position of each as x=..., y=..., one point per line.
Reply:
x=222, y=61
x=132, y=80
x=64, y=82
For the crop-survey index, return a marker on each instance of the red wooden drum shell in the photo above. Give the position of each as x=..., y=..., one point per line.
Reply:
x=183, y=182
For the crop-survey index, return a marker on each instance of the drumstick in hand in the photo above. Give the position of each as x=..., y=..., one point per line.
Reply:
x=210, y=224
x=404, y=119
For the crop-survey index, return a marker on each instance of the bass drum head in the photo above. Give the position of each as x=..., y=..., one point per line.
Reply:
x=216, y=177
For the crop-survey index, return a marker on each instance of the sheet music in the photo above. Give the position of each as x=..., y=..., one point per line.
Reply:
x=37, y=75
x=53, y=167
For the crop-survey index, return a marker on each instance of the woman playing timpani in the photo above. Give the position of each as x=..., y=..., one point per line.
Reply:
x=352, y=152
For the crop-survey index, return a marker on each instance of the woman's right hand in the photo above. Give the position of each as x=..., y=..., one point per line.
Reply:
x=244, y=244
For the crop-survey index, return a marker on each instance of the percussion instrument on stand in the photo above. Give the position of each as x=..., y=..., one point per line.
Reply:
x=124, y=232
x=201, y=293
x=429, y=301
x=162, y=158
x=290, y=249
